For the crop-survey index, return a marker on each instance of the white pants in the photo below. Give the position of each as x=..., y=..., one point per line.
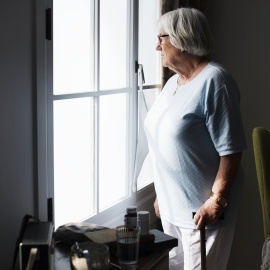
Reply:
x=187, y=255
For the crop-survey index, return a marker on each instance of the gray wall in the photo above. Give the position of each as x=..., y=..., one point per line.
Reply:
x=17, y=124
x=241, y=31
x=242, y=45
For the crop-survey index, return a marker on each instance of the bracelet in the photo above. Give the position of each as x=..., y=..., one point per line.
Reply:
x=221, y=201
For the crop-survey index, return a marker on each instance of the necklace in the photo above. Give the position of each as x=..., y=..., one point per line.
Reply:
x=178, y=85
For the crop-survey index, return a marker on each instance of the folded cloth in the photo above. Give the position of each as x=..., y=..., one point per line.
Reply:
x=75, y=232
x=266, y=255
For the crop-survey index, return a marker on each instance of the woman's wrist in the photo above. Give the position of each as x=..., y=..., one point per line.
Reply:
x=220, y=200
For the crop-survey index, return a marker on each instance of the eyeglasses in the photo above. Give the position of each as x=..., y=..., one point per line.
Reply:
x=159, y=38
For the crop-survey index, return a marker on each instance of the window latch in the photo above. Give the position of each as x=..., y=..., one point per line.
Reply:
x=140, y=67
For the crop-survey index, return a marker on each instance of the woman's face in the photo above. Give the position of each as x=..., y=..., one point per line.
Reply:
x=169, y=53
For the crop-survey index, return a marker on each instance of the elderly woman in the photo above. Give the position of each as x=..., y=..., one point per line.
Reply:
x=196, y=138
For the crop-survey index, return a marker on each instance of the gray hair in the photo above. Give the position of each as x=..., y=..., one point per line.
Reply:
x=188, y=29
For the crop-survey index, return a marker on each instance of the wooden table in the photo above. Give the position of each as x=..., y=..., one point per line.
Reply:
x=153, y=255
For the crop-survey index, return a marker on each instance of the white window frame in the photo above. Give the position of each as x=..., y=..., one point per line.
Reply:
x=45, y=113
x=112, y=216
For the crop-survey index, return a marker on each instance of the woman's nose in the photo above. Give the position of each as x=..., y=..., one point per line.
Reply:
x=158, y=47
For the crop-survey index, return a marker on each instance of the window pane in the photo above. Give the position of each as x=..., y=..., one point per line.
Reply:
x=148, y=56
x=150, y=96
x=72, y=60
x=73, y=160
x=113, y=44
x=146, y=175
x=112, y=150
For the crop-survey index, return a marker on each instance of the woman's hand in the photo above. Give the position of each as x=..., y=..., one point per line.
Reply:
x=156, y=208
x=210, y=211
x=208, y=214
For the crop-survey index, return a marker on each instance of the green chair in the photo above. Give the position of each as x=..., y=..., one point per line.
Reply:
x=261, y=145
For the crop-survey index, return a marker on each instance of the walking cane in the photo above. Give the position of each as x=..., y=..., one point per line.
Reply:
x=203, y=243
x=203, y=246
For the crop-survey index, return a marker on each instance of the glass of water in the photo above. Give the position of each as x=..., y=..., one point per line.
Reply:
x=128, y=241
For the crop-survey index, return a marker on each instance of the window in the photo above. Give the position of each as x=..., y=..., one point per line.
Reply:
x=90, y=128
x=148, y=16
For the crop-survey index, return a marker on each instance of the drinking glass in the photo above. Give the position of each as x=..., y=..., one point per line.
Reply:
x=128, y=241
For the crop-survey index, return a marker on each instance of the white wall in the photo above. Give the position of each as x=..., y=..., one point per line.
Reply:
x=241, y=30
x=242, y=45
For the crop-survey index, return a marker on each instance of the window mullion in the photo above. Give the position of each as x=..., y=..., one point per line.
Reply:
x=129, y=98
x=91, y=94
x=97, y=99
x=97, y=45
x=134, y=72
